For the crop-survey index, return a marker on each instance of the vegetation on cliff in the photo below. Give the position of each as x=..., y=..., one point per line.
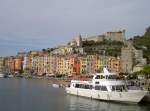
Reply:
x=111, y=48
x=143, y=42
x=145, y=72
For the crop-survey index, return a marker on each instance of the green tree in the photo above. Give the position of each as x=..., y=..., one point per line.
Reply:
x=145, y=72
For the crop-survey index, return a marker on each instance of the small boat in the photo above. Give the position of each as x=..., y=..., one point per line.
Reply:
x=2, y=75
x=55, y=85
x=10, y=76
x=106, y=86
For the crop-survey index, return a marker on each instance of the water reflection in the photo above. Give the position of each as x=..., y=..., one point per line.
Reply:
x=84, y=104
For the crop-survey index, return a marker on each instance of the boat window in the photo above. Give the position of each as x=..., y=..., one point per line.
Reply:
x=119, y=88
x=111, y=77
x=83, y=86
x=102, y=88
x=77, y=86
x=96, y=82
x=97, y=77
x=102, y=77
x=97, y=87
x=88, y=87
x=113, y=88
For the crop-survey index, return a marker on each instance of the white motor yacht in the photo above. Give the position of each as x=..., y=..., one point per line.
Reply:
x=105, y=86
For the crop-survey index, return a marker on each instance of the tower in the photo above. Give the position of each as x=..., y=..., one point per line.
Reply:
x=79, y=41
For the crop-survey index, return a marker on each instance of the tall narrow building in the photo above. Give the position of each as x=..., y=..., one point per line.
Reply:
x=126, y=60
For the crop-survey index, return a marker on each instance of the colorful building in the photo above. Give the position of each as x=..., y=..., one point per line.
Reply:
x=9, y=64
x=87, y=64
x=1, y=64
x=18, y=65
x=114, y=64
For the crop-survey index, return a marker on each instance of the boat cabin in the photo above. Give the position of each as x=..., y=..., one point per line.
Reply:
x=102, y=81
x=100, y=87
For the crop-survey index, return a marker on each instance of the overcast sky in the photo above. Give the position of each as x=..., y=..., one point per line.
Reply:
x=35, y=24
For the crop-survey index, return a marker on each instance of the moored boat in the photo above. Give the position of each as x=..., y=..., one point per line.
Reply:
x=10, y=76
x=2, y=75
x=55, y=85
x=105, y=86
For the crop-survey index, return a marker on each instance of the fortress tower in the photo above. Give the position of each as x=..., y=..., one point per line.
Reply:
x=115, y=36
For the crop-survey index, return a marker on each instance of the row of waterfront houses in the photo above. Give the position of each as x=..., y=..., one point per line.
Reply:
x=44, y=63
x=73, y=64
x=40, y=63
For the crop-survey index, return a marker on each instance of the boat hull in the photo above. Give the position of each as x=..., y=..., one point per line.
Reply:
x=146, y=98
x=127, y=97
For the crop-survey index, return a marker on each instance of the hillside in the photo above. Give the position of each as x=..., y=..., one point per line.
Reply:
x=111, y=48
x=143, y=42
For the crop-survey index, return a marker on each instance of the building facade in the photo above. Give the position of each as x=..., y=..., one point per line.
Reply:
x=1, y=64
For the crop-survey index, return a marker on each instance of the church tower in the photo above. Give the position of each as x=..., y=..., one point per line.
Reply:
x=79, y=41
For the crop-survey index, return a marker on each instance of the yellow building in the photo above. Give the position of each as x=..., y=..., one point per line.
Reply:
x=100, y=63
x=87, y=64
x=1, y=64
x=60, y=65
x=30, y=56
x=114, y=64
x=40, y=64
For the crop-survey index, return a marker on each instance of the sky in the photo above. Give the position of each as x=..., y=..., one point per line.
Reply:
x=36, y=24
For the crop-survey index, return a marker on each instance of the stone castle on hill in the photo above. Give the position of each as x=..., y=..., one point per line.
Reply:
x=76, y=44
x=113, y=36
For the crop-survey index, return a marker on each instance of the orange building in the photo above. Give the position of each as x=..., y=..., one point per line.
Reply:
x=9, y=64
x=76, y=66
x=18, y=64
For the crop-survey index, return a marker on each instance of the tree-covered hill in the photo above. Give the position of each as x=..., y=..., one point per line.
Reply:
x=111, y=48
x=143, y=42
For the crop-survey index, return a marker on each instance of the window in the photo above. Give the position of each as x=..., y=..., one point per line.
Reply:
x=97, y=77
x=102, y=88
x=96, y=82
x=83, y=86
x=77, y=86
x=88, y=87
x=97, y=87
x=113, y=88
x=118, y=88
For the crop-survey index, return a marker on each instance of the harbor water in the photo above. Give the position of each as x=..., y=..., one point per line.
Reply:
x=36, y=95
